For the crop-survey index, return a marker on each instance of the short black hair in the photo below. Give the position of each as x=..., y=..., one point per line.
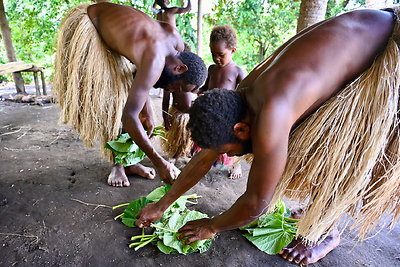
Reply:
x=213, y=116
x=197, y=70
x=224, y=33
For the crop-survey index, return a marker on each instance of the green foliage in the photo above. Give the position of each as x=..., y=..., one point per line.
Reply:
x=165, y=235
x=272, y=232
x=126, y=151
x=336, y=7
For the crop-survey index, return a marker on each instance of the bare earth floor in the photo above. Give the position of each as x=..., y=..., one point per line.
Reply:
x=48, y=179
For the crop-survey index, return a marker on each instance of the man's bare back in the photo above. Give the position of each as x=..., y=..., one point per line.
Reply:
x=114, y=23
x=309, y=60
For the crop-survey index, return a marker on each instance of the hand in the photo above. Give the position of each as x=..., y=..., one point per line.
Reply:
x=167, y=123
x=167, y=172
x=148, y=215
x=197, y=230
x=148, y=125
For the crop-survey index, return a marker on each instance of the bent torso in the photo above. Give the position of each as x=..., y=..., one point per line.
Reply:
x=131, y=32
x=319, y=62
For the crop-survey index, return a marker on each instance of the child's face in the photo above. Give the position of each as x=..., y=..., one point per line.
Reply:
x=221, y=54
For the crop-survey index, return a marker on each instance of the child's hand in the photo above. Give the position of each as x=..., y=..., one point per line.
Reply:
x=167, y=124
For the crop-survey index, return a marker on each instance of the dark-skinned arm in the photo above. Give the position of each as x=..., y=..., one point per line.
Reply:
x=146, y=76
x=205, y=85
x=193, y=172
x=270, y=154
x=165, y=108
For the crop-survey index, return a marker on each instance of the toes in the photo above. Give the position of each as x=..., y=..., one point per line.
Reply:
x=127, y=183
x=297, y=259
x=292, y=255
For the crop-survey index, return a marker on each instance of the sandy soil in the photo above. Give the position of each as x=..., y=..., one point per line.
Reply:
x=47, y=176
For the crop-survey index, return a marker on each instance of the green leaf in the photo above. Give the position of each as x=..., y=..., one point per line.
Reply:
x=157, y=193
x=165, y=249
x=272, y=243
x=129, y=217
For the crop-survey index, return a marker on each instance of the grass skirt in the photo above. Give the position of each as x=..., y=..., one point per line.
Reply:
x=90, y=81
x=345, y=157
x=179, y=140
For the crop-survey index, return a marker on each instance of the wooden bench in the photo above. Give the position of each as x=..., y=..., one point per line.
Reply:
x=27, y=67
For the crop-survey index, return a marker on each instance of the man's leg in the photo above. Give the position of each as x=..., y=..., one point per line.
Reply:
x=118, y=174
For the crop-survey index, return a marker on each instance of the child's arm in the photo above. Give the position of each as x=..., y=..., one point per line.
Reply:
x=205, y=86
x=165, y=107
x=241, y=76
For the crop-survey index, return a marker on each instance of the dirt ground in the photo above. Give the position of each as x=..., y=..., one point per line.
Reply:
x=55, y=206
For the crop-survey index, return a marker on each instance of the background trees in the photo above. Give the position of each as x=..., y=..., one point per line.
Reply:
x=261, y=25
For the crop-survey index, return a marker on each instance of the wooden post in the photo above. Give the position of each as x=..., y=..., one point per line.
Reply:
x=199, y=28
x=43, y=82
x=35, y=76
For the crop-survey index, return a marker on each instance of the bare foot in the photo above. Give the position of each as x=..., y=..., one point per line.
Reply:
x=236, y=172
x=118, y=177
x=302, y=254
x=141, y=170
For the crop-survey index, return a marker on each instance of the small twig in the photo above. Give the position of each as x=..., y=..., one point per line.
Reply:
x=11, y=132
x=19, y=235
x=19, y=149
x=22, y=135
x=58, y=136
x=90, y=204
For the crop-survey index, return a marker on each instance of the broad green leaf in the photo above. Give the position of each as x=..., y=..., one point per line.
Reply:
x=272, y=243
x=165, y=249
x=157, y=193
x=129, y=217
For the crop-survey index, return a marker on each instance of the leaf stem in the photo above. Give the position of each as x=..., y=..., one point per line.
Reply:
x=119, y=206
x=161, y=228
x=118, y=216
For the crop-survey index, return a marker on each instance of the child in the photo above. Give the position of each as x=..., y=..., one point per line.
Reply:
x=224, y=74
x=179, y=142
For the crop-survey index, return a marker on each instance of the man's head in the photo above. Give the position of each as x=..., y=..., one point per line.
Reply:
x=188, y=73
x=216, y=122
x=223, y=43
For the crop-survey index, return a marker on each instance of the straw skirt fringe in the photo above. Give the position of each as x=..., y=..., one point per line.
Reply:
x=90, y=82
x=179, y=140
x=345, y=157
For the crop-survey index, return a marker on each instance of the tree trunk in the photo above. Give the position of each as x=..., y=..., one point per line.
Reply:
x=199, y=28
x=311, y=12
x=6, y=33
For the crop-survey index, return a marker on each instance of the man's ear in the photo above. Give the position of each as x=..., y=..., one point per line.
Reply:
x=242, y=131
x=180, y=68
x=233, y=50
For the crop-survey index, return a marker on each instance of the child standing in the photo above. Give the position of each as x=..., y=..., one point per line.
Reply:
x=224, y=74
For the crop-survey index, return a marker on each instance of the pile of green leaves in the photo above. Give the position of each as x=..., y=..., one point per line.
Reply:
x=125, y=150
x=272, y=232
x=165, y=235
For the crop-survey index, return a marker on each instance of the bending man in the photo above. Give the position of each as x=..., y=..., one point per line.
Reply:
x=95, y=85
x=272, y=104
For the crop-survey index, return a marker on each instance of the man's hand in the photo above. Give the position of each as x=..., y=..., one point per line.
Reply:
x=148, y=125
x=148, y=215
x=197, y=230
x=167, y=172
